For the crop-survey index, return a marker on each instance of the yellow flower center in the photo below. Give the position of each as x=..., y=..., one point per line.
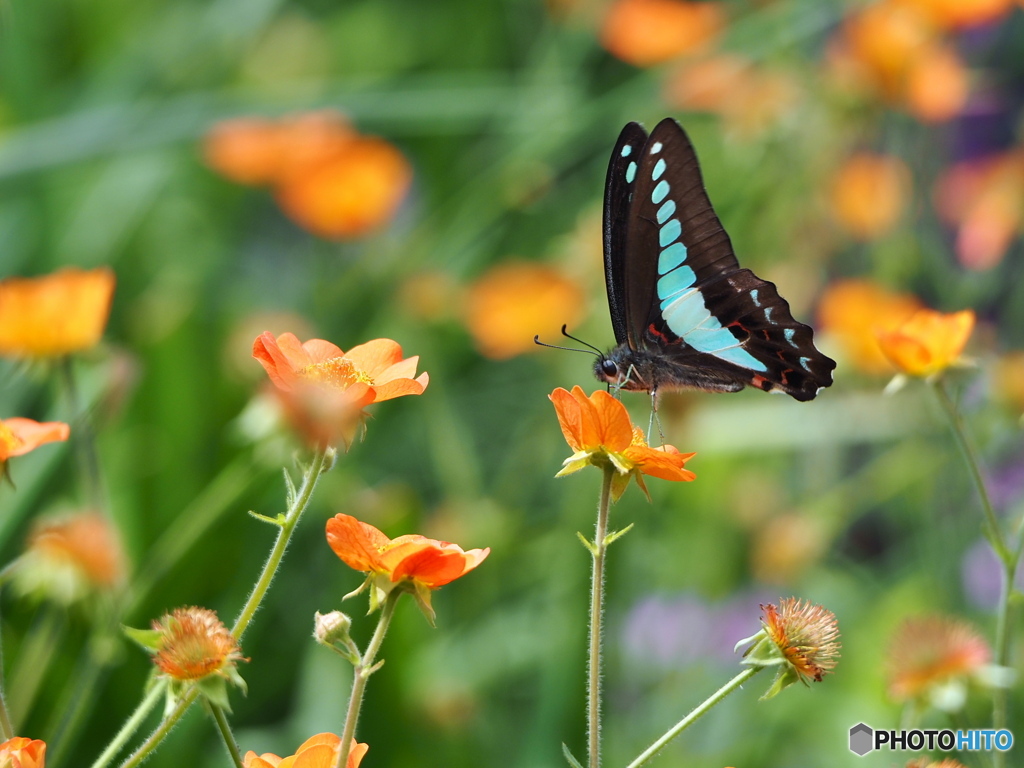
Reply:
x=638, y=438
x=339, y=372
x=9, y=441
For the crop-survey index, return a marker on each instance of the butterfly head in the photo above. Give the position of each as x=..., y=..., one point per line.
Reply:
x=624, y=368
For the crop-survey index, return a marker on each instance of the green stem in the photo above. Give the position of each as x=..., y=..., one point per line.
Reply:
x=991, y=527
x=291, y=519
x=168, y=723
x=225, y=732
x=37, y=652
x=1008, y=558
x=694, y=715
x=596, y=616
x=6, y=729
x=366, y=667
x=131, y=724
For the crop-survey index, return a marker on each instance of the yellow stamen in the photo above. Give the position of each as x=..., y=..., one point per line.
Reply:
x=337, y=372
x=8, y=440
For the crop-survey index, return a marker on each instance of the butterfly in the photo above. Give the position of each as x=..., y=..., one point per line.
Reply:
x=685, y=315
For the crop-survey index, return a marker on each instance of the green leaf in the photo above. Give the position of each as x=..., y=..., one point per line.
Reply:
x=149, y=639
x=569, y=757
x=616, y=535
x=586, y=543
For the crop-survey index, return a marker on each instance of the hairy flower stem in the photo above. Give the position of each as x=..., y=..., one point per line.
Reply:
x=288, y=523
x=1008, y=557
x=367, y=666
x=225, y=733
x=131, y=724
x=596, y=615
x=694, y=715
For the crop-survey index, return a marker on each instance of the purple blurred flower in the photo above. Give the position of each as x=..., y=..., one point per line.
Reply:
x=982, y=576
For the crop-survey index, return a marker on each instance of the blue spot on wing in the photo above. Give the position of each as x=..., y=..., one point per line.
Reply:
x=670, y=258
x=660, y=192
x=670, y=232
x=688, y=318
x=676, y=281
x=626, y=150
x=659, y=169
x=630, y=172
x=666, y=210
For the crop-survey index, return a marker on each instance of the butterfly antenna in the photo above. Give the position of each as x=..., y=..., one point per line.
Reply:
x=537, y=340
x=581, y=341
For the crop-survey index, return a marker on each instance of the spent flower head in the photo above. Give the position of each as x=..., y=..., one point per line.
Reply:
x=599, y=430
x=55, y=314
x=191, y=646
x=933, y=659
x=20, y=752
x=320, y=751
x=412, y=563
x=18, y=436
x=798, y=638
x=71, y=556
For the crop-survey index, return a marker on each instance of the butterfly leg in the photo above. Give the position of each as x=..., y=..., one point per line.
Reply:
x=655, y=419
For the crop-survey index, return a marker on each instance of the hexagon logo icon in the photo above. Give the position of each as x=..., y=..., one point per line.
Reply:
x=861, y=739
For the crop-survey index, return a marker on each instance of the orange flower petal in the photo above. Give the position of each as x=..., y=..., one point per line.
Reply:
x=401, y=387
x=567, y=409
x=316, y=756
x=315, y=351
x=20, y=752
x=928, y=342
x=666, y=464
x=868, y=194
x=614, y=428
x=18, y=436
x=274, y=358
x=54, y=314
x=376, y=356
x=434, y=564
x=648, y=32
x=358, y=544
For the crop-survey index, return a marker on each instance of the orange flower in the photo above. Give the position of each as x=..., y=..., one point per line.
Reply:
x=55, y=314
x=749, y=98
x=937, y=84
x=600, y=432
x=797, y=637
x=319, y=751
x=411, y=562
x=68, y=557
x=928, y=342
x=20, y=752
x=19, y=436
x=868, y=194
x=648, y=32
x=512, y=303
x=885, y=39
x=923, y=762
x=375, y=367
x=932, y=659
x=852, y=310
x=957, y=14
x=258, y=151
x=353, y=193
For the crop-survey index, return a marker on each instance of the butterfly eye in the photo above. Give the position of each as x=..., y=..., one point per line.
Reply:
x=609, y=368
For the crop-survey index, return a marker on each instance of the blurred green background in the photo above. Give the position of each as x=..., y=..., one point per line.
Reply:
x=507, y=112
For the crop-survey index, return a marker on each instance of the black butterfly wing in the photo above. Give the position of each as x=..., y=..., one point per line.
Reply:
x=618, y=193
x=684, y=293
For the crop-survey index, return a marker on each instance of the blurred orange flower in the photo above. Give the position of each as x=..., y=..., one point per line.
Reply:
x=984, y=200
x=18, y=436
x=928, y=342
x=750, y=98
x=897, y=49
x=932, y=658
x=868, y=193
x=937, y=84
x=319, y=751
x=957, y=14
x=329, y=179
x=599, y=430
x=323, y=390
x=55, y=314
x=351, y=194
x=419, y=563
x=251, y=150
x=70, y=556
x=513, y=302
x=20, y=752
x=852, y=310
x=924, y=762
x=648, y=32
